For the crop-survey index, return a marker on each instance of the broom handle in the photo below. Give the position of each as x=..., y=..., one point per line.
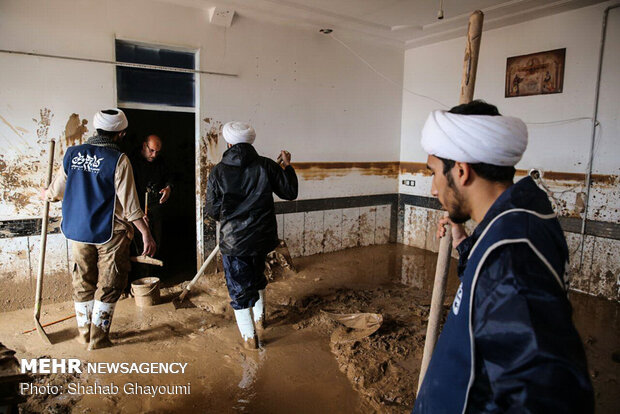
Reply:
x=470, y=61
x=203, y=267
x=44, y=220
x=468, y=82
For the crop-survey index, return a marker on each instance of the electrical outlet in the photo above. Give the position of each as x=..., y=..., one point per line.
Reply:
x=409, y=183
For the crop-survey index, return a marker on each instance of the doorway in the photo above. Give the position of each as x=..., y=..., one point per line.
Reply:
x=177, y=131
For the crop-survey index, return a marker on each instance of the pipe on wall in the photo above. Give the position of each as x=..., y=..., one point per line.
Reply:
x=595, y=124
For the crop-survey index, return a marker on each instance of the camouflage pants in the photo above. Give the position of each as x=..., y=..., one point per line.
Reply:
x=100, y=271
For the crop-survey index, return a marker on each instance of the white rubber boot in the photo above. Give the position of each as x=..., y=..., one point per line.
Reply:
x=246, y=328
x=83, y=314
x=100, y=327
x=259, y=310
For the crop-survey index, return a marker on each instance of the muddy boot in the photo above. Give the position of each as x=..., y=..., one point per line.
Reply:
x=83, y=312
x=258, y=311
x=246, y=328
x=100, y=327
x=251, y=344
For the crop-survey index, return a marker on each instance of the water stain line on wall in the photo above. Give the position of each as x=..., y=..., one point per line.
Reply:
x=323, y=170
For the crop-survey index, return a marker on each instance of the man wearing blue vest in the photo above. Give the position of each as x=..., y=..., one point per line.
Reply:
x=508, y=344
x=99, y=205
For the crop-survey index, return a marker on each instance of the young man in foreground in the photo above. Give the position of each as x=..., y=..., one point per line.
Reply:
x=508, y=344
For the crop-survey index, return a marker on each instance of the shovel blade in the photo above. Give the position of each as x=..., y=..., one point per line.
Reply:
x=41, y=332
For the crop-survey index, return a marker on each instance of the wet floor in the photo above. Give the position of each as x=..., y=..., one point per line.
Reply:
x=298, y=370
x=598, y=323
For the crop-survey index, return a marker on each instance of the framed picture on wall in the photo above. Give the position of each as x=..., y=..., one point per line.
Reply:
x=535, y=74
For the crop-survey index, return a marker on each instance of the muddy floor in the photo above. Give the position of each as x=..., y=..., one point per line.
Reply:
x=303, y=366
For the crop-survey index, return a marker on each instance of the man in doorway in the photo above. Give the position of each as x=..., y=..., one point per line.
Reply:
x=508, y=344
x=239, y=196
x=154, y=185
x=99, y=205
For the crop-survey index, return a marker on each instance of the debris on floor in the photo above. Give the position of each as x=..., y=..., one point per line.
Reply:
x=279, y=259
x=54, y=393
x=10, y=379
x=356, y=326
x=367, y=370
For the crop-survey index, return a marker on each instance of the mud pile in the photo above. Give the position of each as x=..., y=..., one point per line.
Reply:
x=384, y=366
x=49, y=402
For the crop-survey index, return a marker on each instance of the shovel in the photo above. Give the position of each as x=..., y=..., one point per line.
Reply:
x=44, y=220
x=178, y=302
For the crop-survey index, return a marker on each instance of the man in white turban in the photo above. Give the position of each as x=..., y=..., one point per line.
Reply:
x=99, y=205
x=239, y=196
x=508, y=344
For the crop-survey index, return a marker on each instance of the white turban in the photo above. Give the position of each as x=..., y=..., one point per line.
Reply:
x=238, y=132
x=496, y=140
x=114, y=120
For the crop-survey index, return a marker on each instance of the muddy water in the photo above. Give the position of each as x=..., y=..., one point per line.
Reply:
x=298, y=369
x=598, y=323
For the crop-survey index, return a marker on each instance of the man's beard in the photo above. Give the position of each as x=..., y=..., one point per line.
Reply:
x=457, y=215
x=455, y=206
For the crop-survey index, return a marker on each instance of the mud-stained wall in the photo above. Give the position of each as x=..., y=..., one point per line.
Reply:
x=23, y=162
x=283, y=88
x=594, y=264
x=560, y=131
x=20, y=260
x=314, y=232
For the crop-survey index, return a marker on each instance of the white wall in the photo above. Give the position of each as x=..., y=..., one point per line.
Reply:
x=300, y=89
x=435, y=70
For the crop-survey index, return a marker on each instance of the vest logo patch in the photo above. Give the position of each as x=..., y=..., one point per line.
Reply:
x=457, y=300
x=86, y=163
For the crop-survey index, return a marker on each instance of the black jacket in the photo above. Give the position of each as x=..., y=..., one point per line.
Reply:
x=240, y=196
x=152, y=176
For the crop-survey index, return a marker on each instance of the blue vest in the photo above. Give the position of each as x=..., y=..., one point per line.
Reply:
x=90, y=194
x=450, y=373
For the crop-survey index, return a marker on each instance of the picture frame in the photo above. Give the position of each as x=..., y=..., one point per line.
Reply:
x=538, y=73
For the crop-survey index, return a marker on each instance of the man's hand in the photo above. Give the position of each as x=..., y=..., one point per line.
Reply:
x=458, y=231
x=149, y=245
x=147, y=239
x=284, y=158
x=43, y=194
x=165, y=194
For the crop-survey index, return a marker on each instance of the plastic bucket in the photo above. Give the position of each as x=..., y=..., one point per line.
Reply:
x=145, y=291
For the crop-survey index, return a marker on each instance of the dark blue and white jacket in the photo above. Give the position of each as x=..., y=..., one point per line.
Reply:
x=509, y=344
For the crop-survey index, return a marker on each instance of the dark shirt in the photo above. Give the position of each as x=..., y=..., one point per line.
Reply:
x=152, y=176
x=240, y=196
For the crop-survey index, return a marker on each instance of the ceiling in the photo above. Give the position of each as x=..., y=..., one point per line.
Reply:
x=401, y=23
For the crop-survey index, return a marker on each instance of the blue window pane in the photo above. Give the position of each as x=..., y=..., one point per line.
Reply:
x=134, y=53
x=154, y=86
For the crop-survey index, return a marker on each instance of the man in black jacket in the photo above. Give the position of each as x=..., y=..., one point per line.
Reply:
x=240, y=196
x=153, y=180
